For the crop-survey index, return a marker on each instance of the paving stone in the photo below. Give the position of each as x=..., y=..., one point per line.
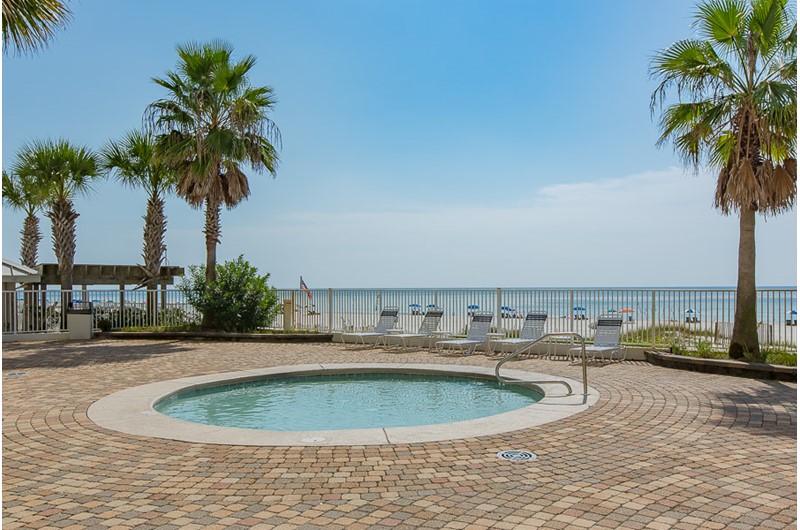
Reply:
x=662, y=448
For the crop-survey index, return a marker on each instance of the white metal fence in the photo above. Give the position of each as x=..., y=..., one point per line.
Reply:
x=42, y=311
x=652, y=317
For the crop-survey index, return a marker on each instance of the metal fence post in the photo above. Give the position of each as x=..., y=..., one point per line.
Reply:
x=653, y=317
x=330, y=310
x=295, y=321
x=499, y=310
x=571, y=311
x=122, y=319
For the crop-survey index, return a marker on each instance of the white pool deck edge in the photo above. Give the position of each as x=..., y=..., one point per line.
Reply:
x=131, y=411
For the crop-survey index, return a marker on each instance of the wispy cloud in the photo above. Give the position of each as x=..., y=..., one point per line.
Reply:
x=654, y=228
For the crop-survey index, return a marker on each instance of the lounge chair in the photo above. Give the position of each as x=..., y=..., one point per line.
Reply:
x=532, y=329
x=429, y=325
x=478, y=329
x=606, y=339
x=386, y=322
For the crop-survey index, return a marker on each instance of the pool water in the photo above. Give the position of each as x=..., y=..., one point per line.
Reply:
x=346, y=401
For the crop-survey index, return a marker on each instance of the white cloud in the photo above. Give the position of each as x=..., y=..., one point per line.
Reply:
x=656, y=228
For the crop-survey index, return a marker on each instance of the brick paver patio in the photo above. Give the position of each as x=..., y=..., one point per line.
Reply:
x=662, y=449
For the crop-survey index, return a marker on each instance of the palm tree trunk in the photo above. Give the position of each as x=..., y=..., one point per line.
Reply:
x=62, y=218
x=212, y=231
x=745, y=324
x=29, y=255
x=31, y=236
x=155, y=226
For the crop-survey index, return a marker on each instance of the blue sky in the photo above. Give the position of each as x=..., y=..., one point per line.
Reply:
x=471, y=143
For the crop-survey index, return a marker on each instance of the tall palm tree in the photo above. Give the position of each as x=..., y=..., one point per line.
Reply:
x=29, y=24
x=133, y=161
x=64, y=171
x=27, y=195
x=212, y=122
x=736, y=109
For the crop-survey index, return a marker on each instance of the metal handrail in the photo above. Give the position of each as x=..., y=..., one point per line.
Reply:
x=529, y=345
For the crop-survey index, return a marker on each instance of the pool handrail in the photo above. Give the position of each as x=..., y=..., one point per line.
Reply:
x=529, y=345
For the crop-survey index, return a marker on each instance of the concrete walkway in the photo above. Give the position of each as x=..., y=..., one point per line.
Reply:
x=661, y=449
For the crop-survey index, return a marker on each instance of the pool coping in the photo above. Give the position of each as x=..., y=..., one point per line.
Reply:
x=131, y=411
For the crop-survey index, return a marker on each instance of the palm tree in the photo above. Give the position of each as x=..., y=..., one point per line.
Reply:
x=64, y=171
x=211, y=123
x=135, y=164
x=29, y=24
x=736, y=109
x=27, y=195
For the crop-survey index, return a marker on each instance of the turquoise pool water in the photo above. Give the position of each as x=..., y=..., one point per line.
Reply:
x=346, y=401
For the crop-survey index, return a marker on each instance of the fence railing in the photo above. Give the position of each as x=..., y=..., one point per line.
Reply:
x=37, y=311
x=652, y=317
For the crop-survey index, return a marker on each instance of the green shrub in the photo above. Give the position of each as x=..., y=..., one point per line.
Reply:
x=176, y=317
x=705, y=349
x=239, y=300
x=782, y=357
x=752, y=357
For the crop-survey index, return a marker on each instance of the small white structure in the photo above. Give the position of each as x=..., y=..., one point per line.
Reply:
x=14, y=273
x=14, y=276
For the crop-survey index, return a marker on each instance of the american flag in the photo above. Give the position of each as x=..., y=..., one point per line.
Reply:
x=304, y=288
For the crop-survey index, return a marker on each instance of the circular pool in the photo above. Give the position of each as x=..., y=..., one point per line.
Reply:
x=347, y=404
x=354, y=400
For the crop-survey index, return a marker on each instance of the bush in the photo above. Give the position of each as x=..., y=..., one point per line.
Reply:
x=239, y=300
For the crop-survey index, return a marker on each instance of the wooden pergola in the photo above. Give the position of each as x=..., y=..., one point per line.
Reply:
x=120, y=275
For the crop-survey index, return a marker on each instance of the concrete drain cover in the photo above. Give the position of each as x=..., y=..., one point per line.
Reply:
x=313, y=440
x=517, y=456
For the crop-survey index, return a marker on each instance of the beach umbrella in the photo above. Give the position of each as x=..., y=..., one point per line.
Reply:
x=690, y=310
x=578, y=308
x=792, y=312
x=414, y=305
x=626, y=310
x=611, y=311
x=431, y=305
x=473, y=306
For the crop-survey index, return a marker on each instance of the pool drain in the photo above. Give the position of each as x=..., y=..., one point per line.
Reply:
x=517, y=456
x=15, y=374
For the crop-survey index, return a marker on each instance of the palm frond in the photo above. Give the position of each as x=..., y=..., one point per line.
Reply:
x=767, y=23
x=722, y=22
x=694, y=69
x=28, y=25
x=135, y=163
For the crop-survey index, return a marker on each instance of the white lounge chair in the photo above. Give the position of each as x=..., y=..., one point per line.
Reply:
x=429, y=325
x=478, y=329
x=386, y=321
x=532, y=329
x=606, y=339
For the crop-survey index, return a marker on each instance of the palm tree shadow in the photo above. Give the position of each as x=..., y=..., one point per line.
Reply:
x=83, y=353
x=767, y=410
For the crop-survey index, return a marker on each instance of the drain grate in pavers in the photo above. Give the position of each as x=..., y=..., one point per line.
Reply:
x=15, y=374
x=515, y=455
